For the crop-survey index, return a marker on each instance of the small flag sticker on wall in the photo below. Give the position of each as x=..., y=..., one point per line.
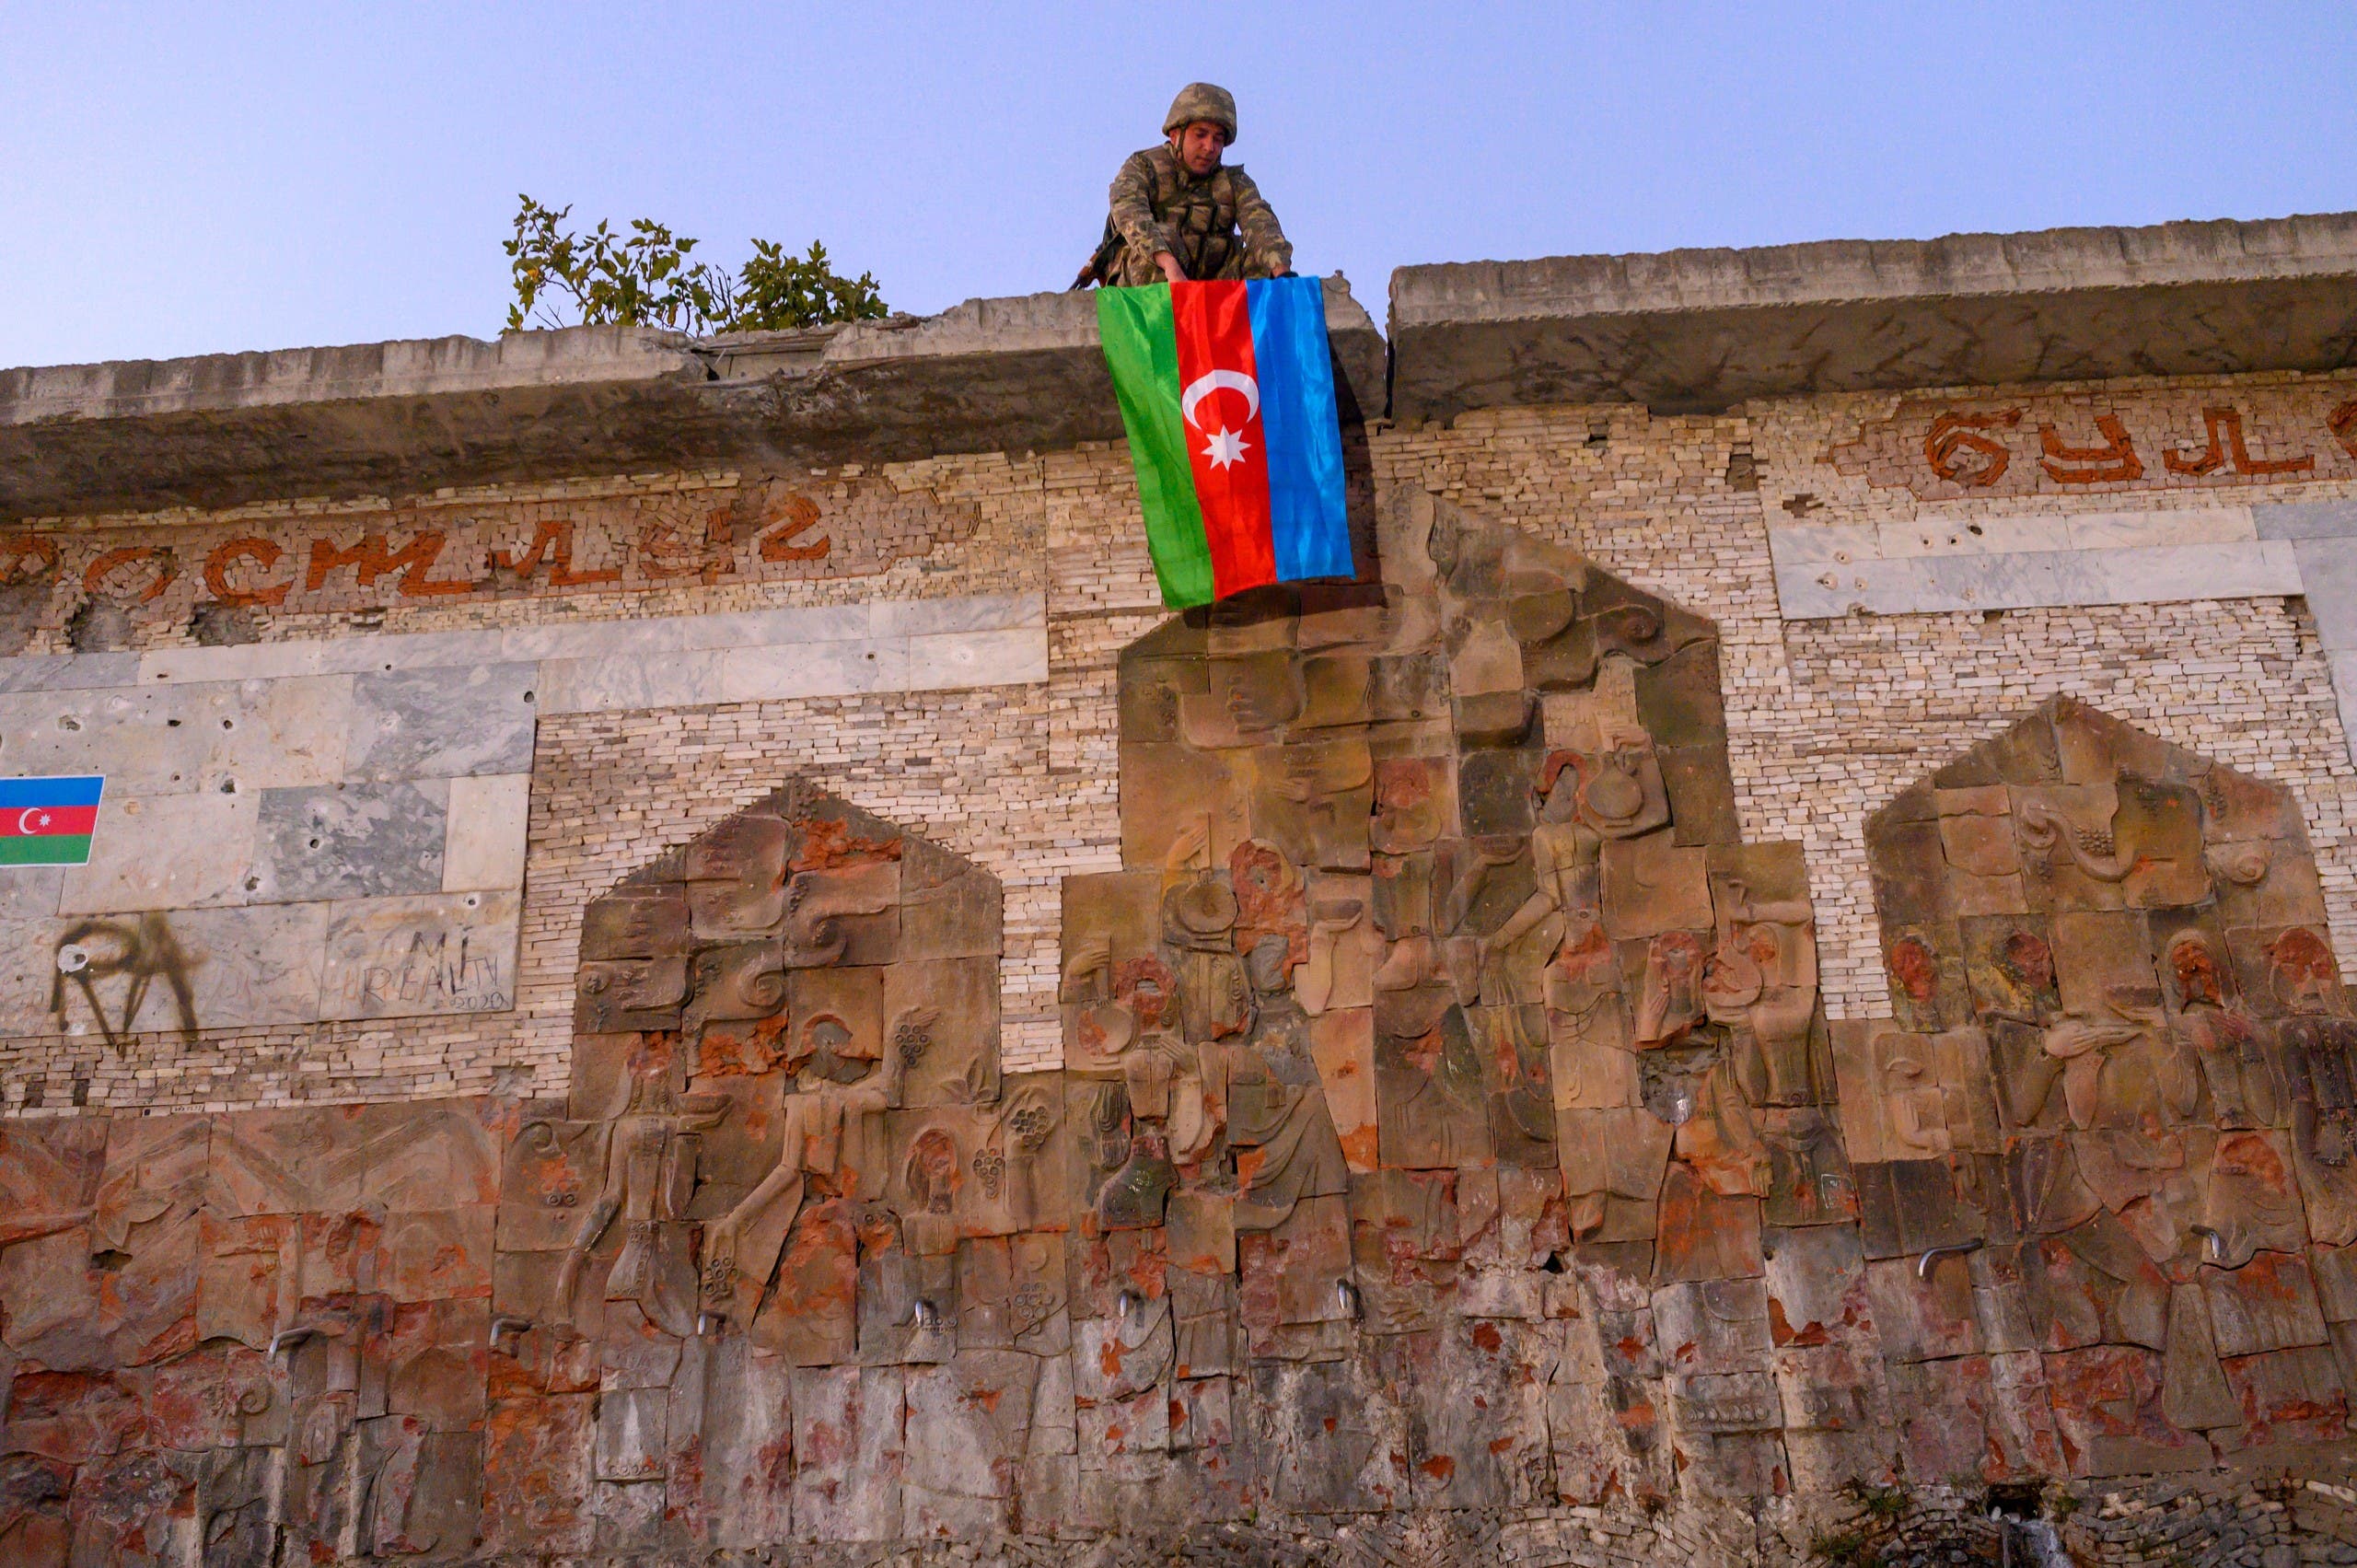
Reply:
x=48, y=821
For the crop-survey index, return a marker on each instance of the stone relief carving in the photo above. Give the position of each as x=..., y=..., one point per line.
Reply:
x=1449, y=1122
x=2096, y=1098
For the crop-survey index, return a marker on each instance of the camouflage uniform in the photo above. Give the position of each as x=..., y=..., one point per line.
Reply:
x=1157, y=206
x=1218, y=225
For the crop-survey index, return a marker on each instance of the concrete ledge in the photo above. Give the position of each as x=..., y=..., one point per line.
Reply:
x=399, y=418
x=1925, y=584
x=1702, y=331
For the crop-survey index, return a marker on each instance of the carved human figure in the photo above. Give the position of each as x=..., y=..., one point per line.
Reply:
x=1286, y=1148
x=1564, y=856
x=822, y=1147
x=1762, y=978
x=1199, y=916
x=1919, y=1111
x=2320, y=1064
x=2243, y=1089
x=652, y=1148
x=1671, y=1001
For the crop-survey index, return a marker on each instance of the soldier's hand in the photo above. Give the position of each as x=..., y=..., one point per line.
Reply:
x=1170, y=267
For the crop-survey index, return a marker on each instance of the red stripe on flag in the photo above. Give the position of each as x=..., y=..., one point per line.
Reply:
x=1219, y=393
x=44, y=822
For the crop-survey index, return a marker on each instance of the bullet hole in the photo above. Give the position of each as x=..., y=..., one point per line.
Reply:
x=171, y=723
x=228, y=786
x=254, y=884
x=69, y=722
x=315, y=844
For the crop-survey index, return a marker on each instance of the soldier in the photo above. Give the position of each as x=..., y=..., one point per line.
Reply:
x=1179, y=212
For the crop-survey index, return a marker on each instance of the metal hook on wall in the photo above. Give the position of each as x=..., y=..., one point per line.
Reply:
x=1932, y=1255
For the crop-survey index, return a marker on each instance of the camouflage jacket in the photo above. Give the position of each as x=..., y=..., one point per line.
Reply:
x=1218, y=227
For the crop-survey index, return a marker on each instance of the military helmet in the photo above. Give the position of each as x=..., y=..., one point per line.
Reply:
x=1200, y=100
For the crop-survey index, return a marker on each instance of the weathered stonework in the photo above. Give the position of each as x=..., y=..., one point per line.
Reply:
x=1465, y=1067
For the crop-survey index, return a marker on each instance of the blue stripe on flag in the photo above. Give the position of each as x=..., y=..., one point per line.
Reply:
x=77, y=790
x=1306, y=513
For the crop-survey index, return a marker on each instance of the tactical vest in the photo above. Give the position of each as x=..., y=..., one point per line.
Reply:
x=1202, y=216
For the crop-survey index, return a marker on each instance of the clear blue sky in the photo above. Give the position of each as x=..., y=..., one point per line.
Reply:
x=183, y=178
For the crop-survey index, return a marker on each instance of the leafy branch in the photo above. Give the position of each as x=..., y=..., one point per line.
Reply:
x=645, y=278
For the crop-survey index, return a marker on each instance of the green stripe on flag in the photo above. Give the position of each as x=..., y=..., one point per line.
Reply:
x=1142, y=348
x=46, y=849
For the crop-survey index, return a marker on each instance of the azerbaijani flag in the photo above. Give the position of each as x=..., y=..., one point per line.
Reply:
x=1227, y=393
x=48, y=821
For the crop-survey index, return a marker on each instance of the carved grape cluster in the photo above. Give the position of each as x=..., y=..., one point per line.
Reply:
x=911, y=1040
x=1031, y=1124
x=990, y=1168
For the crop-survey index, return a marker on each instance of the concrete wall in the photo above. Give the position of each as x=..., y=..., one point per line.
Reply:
x=390, y=657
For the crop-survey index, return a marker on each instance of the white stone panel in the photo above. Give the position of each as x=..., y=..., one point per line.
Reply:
x=1832, y=542
x=485, y=847
x=976, y=612
x=814, y=669
x=182, y=739
x=618, y=683
x=1930, y=585
x=443, y=722
x=2118, y=530
x=160, y=971
x=243, y=661
x=1934, y=534
x=415, y=957
x=956, y=659
x=165, y=851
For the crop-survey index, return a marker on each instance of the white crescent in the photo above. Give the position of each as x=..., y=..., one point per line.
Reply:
x=1205, y=385
x=27, y=815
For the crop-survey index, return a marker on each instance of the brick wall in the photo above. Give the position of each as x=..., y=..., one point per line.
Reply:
x=1827, y=717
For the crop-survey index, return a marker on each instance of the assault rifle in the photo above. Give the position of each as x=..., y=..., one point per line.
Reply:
x=1099, y=268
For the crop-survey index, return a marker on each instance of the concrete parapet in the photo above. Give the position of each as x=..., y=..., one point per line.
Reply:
x=1700, y=330
x=218, y=430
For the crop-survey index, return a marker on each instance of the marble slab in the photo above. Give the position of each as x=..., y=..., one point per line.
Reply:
x=419, y=956
x=973, y=613
x=165, y=851
x=1936, y=584
x=485, y=846
x=814, y=669
x=67, y=672
x=182, y=739
x=2306, y=519
x=441, y=723
x=166, y=971
x=963, y=659
x=350, y=840
x=2329, y=574
x=622, y=683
